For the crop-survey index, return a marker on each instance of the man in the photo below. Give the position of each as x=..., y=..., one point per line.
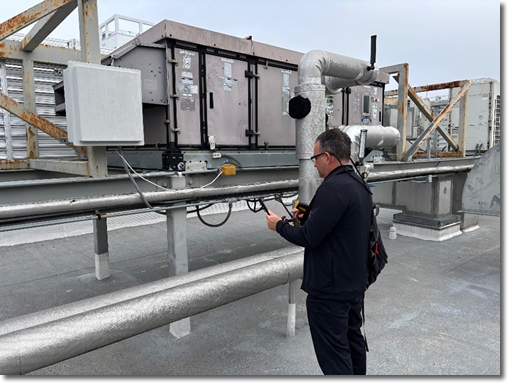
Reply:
x=335, y=234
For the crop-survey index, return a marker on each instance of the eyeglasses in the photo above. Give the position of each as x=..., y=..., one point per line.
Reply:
x=314, y=158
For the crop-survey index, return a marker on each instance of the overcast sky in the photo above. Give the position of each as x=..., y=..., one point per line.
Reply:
x=442, y=40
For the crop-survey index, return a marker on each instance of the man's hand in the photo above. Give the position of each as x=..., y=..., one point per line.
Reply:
x=271, y=220
x=297, y=216
x=296, y=213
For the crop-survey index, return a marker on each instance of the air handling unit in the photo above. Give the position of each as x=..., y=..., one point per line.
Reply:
x=205, y=92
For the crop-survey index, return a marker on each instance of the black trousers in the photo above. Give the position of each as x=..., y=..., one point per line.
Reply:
x=335, y=327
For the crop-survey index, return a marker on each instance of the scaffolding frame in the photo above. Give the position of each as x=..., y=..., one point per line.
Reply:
x=399, y=97
x=47, y=15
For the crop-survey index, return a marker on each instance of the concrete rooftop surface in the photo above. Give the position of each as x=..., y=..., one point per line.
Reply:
x=435, y=309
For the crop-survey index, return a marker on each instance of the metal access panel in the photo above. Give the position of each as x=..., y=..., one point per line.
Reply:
x=187, y=102
x=227, y=100
x=151, y=62
x=365, y=105
x=275, y=89
x=334, y=109
x=154, y=125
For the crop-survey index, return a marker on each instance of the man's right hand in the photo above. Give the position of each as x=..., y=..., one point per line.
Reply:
x=271, y=220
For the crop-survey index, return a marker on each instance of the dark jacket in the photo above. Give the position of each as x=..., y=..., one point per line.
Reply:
x=335, y=236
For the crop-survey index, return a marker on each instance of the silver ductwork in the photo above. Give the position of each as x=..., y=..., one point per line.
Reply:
x=79, y=307
x=316, y=68
x=339, y=71
x=47, y=343
x=378, y=137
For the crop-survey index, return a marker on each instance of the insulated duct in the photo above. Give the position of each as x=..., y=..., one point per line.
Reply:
x=339, y=71
x=48, y=343
x=313, y=68
x=378, y=137
x=79, y=307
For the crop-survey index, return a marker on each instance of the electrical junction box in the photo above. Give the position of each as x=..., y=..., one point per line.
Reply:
x=103, y=105
x=228, y=170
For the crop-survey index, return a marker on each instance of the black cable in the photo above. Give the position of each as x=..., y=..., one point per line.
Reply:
x=204, y=208
x=198, y=209
x=218, y=224
x=276, y=197
x=254, y=210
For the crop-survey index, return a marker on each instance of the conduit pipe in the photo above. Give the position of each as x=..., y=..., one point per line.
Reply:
x=79, y=307
x=124, y=200
x=40, y=346
x=313, y=68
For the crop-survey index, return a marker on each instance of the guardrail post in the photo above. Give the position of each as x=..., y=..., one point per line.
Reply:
x=100, y=234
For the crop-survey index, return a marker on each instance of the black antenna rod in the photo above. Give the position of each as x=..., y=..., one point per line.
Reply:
x=372, y=52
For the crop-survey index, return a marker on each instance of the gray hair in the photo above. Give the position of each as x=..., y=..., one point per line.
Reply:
x=335, y=142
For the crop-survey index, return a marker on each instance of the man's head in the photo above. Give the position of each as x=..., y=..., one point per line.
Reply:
x=331, y=146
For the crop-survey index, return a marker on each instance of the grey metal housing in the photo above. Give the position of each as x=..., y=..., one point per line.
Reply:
x=208, y=90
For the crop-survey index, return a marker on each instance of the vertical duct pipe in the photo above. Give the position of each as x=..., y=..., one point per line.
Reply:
x=313, y=69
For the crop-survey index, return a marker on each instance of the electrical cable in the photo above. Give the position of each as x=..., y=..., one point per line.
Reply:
x=139, y=175
x=218, y=224
x=254, y=201
x=215, y=179
x=137, y=187
x=195, y=211
x=127, y=166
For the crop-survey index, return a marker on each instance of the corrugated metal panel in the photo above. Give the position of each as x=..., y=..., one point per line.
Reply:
x=45, y=77
x=12, y=128
x=5, y=146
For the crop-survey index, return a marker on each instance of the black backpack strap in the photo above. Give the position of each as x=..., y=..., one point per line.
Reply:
x=363, y=323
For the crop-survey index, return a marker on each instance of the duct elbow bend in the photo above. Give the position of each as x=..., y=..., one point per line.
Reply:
x=369, y=76
x=344, y=71
x=311, y=67
x=365, y=77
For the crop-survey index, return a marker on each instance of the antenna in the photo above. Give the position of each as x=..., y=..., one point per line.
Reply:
x=372, y=52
